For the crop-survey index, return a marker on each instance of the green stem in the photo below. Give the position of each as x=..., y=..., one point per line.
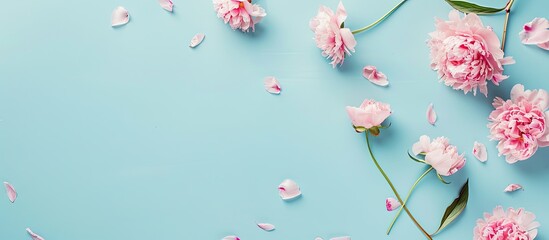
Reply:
x=408, y=197
x=379, y=20
x=507, y=13
x=394, y=189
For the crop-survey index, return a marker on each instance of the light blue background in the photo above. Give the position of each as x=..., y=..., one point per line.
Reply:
x=128, y=133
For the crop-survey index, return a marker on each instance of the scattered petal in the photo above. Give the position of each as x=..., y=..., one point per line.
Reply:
x=341, y=238
x=536, y=32
x=272, y=85
x=231, y=238
x=431, y=114
x=266, y=226
x=513, y=187
x=12, y=194
x=166, y=4
x=391, y=204
x=120, y=16
x=479, y=150
x=289, y=189
x=196, y=40
x=34, y=235
x=377, y=78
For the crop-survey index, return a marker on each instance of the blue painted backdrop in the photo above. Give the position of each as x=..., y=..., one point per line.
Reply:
x=128, y=133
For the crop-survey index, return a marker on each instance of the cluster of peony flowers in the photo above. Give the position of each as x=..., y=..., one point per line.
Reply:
x=369, y=115
x=520, y=124
x=513, y=224
x=442, y=156
x=240, y=14
x=466, y=54
x=331, y=37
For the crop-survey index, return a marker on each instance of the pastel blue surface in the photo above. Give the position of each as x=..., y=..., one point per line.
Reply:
x=127, y=133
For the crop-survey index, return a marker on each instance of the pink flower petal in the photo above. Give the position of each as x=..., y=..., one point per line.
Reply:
x=34, y=235
x=166, y=4
x=512, y=187
x=341, y=238
x=479, y=150
x=391, y=204
x=431, y=114
x=196, y=40
x=289, y=189
x=536, y=32
x=120, y=16
x=272, y=85
x=378, y=78
x=266, y=226
x=12, y=194
x=231, y=238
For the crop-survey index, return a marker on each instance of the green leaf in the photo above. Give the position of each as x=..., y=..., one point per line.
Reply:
x=468, y=7
x=442, y=179
x=456, y=208
x=415, y=159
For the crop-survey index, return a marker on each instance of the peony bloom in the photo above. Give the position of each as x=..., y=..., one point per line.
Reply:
x=466, y=54
x=370, y=114
x=513, y=224
x=536, y=32
x=240, y=14
x=520, y=124
x=330, y=37
x=442, y=156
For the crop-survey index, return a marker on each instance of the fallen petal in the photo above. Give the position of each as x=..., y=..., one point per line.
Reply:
x=512, y=187
x=120, y=16
x=536, y=32
x=197, y=39
x=431, y=114
x=272, y=85
x=341, y=238
x=479, y=150
x=231, y=238
x=289, y=189
x=166, y=4
x=266, y=226
x=378, y=78
x=391, y=204
x=34, y=235
x=12, y=194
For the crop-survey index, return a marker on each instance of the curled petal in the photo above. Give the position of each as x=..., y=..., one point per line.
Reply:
x=391, y=204
x=431, y=114
x=231, y=238
x=536, y=32
x=34, y=235
x=272, y=85
x=479, y=150
x=341, y=238
x=12, y=194
x=166, y=4
x=120, y=16
x=377, y=78
x=513, y=187
x=266, y=226
x=289, y=189
x=196, y=40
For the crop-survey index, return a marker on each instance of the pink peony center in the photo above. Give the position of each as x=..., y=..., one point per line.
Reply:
x=467, y=58
x=504, y=229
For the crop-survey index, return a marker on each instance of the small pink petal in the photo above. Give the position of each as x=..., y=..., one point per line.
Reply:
x=391, y=204
x=512, y=187
x=266, y=226
x=166, y=4
x=479, y=150
x=341, y=238
x=231, y=238
x=431, y=114
x=272, y=85
x=196, y=40
x=289, y=189
x=536, y=32
x=120, y=16
x=34, y=235
x=378, y=78
x=12, y=194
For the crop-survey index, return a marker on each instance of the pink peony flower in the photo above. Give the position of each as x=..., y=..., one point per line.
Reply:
x=536, y=32
x=520, y=124
x=466, y=54
x=369, y=114
x=515, y=224
x=330, y=37
x=240, y=14
x=442, y=156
